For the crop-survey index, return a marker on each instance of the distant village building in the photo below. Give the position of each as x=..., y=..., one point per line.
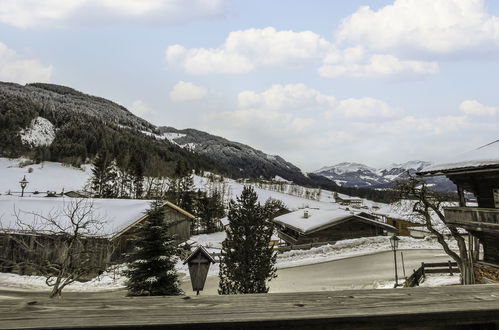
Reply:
x=346, y=200
x=120, y=218
x=322, y=226
x=477, y=172
x=403, y=226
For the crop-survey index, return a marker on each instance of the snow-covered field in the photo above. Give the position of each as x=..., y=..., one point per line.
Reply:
x=44, y=177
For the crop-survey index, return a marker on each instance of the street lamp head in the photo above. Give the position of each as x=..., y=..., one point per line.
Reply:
x=394, y=242
x=24, y=182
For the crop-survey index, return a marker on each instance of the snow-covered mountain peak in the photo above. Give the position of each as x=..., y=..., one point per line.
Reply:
x=362, y=176
x=416, y=165
x=346, y=167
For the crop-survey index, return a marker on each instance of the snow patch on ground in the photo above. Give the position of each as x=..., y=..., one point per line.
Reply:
x=433, y=280
x=40, y=132
x=352, y=248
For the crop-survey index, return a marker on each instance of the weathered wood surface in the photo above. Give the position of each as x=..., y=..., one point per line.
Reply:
x=447, y=307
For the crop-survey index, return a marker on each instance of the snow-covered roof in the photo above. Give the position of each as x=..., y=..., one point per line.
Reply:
x=117, y=215
x=319, y=219
x=485, y=156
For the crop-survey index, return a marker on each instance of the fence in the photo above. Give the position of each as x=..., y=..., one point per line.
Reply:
x=430, y=268
x=301, y=246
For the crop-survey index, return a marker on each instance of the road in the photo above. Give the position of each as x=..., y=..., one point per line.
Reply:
x=351, y=273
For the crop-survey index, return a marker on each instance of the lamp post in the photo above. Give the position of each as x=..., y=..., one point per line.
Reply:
x=394, y=242
x=23, y=184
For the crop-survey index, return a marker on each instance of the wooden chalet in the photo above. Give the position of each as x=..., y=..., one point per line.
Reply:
x=346, y=200
x=476, y=172
x=402, y=225
x=322, y=226
x=119, y=219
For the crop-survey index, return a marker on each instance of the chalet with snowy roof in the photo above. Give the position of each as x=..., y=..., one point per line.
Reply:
x=118, y=220
x=323, y=226
x=477, y=172
x=346, y=200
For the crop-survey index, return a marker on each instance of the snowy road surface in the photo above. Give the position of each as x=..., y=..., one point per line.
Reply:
x=351, y=273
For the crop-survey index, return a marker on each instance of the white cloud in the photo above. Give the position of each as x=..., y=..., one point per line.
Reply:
x=379, y=66
x=289, y=96
x=248, y=50
x=271, y=131
x=244, y=51
x=300, y=98
x=412, y=124
x=435, y=27
x=16, y=69
x=187, y=91
x=139, y=108
x=475, y=108
x=367, y=107
x=34, y=13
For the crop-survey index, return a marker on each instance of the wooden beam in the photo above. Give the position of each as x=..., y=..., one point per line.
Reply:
x=450, y=307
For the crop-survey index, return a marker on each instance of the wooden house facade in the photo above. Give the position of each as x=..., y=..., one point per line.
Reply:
x=476, y=172
x=403, y=226
x=120, y=219
x=326, y=226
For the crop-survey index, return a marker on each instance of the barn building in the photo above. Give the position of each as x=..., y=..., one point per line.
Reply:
x=323, y=226
x=476, y=172
x=110, y=238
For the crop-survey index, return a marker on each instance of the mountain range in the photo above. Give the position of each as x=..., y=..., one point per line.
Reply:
x=356, y=175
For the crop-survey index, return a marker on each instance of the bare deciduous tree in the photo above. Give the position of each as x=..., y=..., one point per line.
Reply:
x=60, y=245
x=427, y=203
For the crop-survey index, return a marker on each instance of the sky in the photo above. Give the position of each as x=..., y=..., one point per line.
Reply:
x=317, y=82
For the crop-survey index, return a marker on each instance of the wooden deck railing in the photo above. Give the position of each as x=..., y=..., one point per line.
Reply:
x=454, y=307
x=430, y=268
x=469, y=215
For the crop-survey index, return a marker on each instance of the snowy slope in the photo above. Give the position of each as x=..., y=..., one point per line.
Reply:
x=46, y=176
x=40, y=132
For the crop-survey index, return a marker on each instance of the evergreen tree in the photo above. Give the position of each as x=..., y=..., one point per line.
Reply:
x=151, y=269
x=274, y=208
x=186, y=192
x=138, y=177
x=209, y=209
x=103, y=176
x=247, y=261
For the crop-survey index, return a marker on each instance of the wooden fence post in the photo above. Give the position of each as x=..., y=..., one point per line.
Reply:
x=450, y=268
x=422, y=269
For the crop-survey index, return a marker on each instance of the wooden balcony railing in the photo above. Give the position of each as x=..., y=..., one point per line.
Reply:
x=451, y=307
x=472, y=216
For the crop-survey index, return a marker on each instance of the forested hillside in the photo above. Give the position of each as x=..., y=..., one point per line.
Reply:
x=84, y=126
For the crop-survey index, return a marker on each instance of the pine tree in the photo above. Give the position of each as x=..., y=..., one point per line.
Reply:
x=103, y=176
x=209, y=209
x=138, y=178
x=247, y=261
x=186, y=193
x=151, y=269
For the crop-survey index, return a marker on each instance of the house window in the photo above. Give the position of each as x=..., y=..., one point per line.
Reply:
x=496, y=198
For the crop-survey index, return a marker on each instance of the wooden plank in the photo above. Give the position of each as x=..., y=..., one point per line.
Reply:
x=399, y=308
x=439, y=264
x=441, y=270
